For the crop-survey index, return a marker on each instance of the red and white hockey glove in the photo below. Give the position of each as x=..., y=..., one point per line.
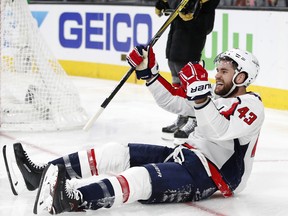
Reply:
x=194, y=79
x=143, y=59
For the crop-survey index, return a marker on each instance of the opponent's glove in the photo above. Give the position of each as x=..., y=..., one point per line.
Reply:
x=186, y=17
x=194, y=79
x=188, y=12
x=143, y=59
x=160, y=7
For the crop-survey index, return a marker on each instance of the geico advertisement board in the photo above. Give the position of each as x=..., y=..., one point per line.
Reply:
x=102, y=34
x=97, y=33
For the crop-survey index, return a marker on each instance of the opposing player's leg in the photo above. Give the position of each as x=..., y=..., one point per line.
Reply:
x=181, y=135
x=112, y=158
x=169, y=131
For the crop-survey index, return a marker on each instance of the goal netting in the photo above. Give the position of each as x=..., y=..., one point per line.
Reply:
x=35, y=92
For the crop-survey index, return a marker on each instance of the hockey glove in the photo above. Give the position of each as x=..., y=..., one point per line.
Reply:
x=194, y=79
x=191, y=10
x=160, y=7
x=143, y=59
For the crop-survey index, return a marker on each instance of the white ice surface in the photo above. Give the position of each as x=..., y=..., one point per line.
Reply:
x=133, y=116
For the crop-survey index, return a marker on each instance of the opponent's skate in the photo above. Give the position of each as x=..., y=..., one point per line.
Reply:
x=30, y=171
x=55, y=194
x=168, y=131
x=182, y=134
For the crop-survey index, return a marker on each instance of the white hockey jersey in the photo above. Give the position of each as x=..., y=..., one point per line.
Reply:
x=227, y=131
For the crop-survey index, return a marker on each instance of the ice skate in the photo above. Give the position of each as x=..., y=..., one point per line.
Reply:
x=182, y=135
x=30, y=171
x=168, y=132
x=55, y=194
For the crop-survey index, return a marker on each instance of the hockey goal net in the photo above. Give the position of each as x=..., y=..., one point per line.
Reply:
x=35, y=92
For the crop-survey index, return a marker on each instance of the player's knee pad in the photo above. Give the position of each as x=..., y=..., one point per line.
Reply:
x=131, y=185
x=112, y=158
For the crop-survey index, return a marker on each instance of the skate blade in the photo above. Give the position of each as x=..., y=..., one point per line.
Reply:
x=44, y=197
x=17, y=186
x=167, y=136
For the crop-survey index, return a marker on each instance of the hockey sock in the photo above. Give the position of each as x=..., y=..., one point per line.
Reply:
x=132, y=185
x=72, y=165
x=98, y=195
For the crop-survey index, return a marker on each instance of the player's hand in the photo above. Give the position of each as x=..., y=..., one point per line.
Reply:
x=189, y=11
x=143, y=59
x=160, y=7
x=186, y=16
x=194, y=79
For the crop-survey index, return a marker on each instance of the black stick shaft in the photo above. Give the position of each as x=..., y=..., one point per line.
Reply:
x=131, y=70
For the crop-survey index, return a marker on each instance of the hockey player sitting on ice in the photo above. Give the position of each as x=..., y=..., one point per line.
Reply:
x=217, y=157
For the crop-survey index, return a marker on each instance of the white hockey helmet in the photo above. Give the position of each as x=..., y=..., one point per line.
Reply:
x=245, y=62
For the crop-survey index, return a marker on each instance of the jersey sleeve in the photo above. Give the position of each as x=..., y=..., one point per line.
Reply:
x=169, y=98
x=241, y=117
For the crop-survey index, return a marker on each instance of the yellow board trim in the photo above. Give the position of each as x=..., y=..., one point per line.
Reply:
x=271, y=97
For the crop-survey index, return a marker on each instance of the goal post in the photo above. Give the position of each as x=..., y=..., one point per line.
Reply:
x=36, y=94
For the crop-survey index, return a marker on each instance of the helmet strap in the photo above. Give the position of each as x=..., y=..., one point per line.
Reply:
x=230, y=91
x=234, y=84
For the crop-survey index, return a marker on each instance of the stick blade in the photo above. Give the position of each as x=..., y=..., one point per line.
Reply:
x=91, y=121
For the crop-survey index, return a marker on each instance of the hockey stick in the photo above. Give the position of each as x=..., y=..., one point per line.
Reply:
x=128, y=74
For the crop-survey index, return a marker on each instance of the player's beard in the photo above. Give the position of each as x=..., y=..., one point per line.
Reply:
x=224, y=89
